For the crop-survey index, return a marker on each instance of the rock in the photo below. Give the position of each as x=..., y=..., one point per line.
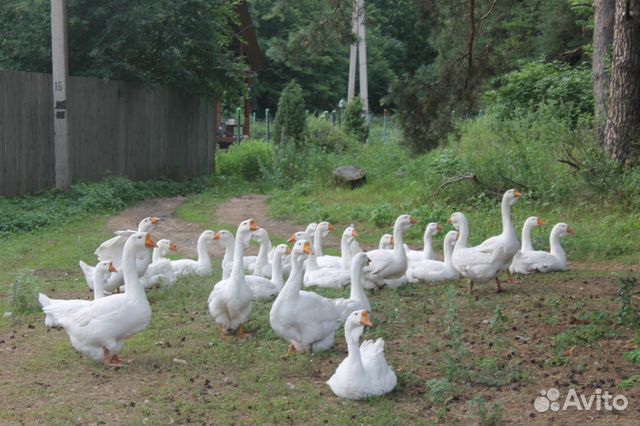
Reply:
x=350, y=175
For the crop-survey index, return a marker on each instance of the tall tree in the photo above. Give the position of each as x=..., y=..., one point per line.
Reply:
x=601, y=62
x=622, y=133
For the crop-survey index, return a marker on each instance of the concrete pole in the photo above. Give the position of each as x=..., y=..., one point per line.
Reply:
x=60, y=68
x=353, y=54
x=362, y=58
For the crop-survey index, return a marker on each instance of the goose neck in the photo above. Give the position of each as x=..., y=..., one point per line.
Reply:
x=556, y=247
x=357, y=289
x=203, y=253
x=276, y=271
x=317, y=242
x=132, y=285
x=345, y=251
x=507, y=224
x=527, y=245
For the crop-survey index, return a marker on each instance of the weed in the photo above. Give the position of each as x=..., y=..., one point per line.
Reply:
x=629, y=313
x=486, y=417
x=23, y=293
x=441, y=391
x=630, y=382
x=499, y=321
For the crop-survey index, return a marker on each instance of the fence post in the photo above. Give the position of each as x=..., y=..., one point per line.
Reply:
x=266, y=113
x=385, y=125
x=254, y=118
x=333, y=113
x=239, y=129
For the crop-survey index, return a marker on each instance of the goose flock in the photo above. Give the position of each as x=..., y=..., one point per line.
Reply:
x=306, y=320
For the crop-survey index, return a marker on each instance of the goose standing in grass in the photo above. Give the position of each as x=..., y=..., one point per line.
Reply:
x=433, y=270
x=389, y=266
x=230, y=300
x=507, y=241
x=261, y=288
x=386, y=242
x=57, y=308
x=112, y=251
x=160, y=272
x=305, y=319
x=478, y=264
x=427, y=252
x=202, y=266
x=100, y=329
x=529, y=262
x=364, y=372
x=262, y=267
x=527, y=245
x=357, y=298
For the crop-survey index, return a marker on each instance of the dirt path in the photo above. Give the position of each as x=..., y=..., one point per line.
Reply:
x=185, y=234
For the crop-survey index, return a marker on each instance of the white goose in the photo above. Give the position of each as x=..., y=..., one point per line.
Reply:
x=230, y=300
x=389, y=266
x=101, y=329
x=476, y=263
x=57, y=308
x=427, y=252
x=433, y=270
x=346, y=253
x=529, y=262
x=262, y=267
x=327, y=277
x=202, y=266
x=357, y=298
x=527, y=245
x=112, y=251
x=386, y=242
x=160, y=272
x=261, y=288
x=364, y=372
x=507, y=241
x=305, y=319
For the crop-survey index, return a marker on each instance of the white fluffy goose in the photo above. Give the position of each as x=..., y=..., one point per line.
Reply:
x=261, y=288
x=527, y=245
x=160, y=272
x=476, y=263
x=262, y=267
x=327, y=277
x=388, y=265
x=112, y=251
x=305, y=319
x=230, y=300
x=202, y=266
x=386, y=242
x=427, y=252
x=364, y=372
x=507, y=241
x=529, y=262
x=57, y=308
x=344, y=260
x=357, y=298
x=100, y=329
x=433, y=270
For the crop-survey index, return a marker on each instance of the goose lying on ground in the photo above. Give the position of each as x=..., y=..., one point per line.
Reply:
x=529, y=262
x=433, y=270
x=201, y=267
x=427, y=251
x=160, y=272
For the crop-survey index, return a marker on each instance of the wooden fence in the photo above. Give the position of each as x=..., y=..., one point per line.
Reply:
x=114, y=127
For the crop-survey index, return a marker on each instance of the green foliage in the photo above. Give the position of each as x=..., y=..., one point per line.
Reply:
x=249, y=160
x=33, y=212
x=290, y=121
x=630, y=382
x=324, y=135
x=441, y=391
x=355, y=120
x=629, y=313
x=485, y=416
x=633, y=356
x=582, y=335
x=567, y=91
x=181, y=44
x=23, y=293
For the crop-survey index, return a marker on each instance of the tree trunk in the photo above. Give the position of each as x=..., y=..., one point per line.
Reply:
x=601, y=64
x=622, y=134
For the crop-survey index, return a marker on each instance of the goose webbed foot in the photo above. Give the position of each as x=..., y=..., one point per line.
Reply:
x=108, y=360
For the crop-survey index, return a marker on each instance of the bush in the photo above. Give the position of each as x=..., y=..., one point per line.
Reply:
x=250, y=160
x=324, y=135
x=290, y=124
x=355, y=120
x=567, y=90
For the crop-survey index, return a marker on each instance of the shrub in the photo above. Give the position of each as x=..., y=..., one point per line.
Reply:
x=324, y=135
x=250, y=160
x=355, y=120
x=290, y=124
x=23, y=293
x=568, y=90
